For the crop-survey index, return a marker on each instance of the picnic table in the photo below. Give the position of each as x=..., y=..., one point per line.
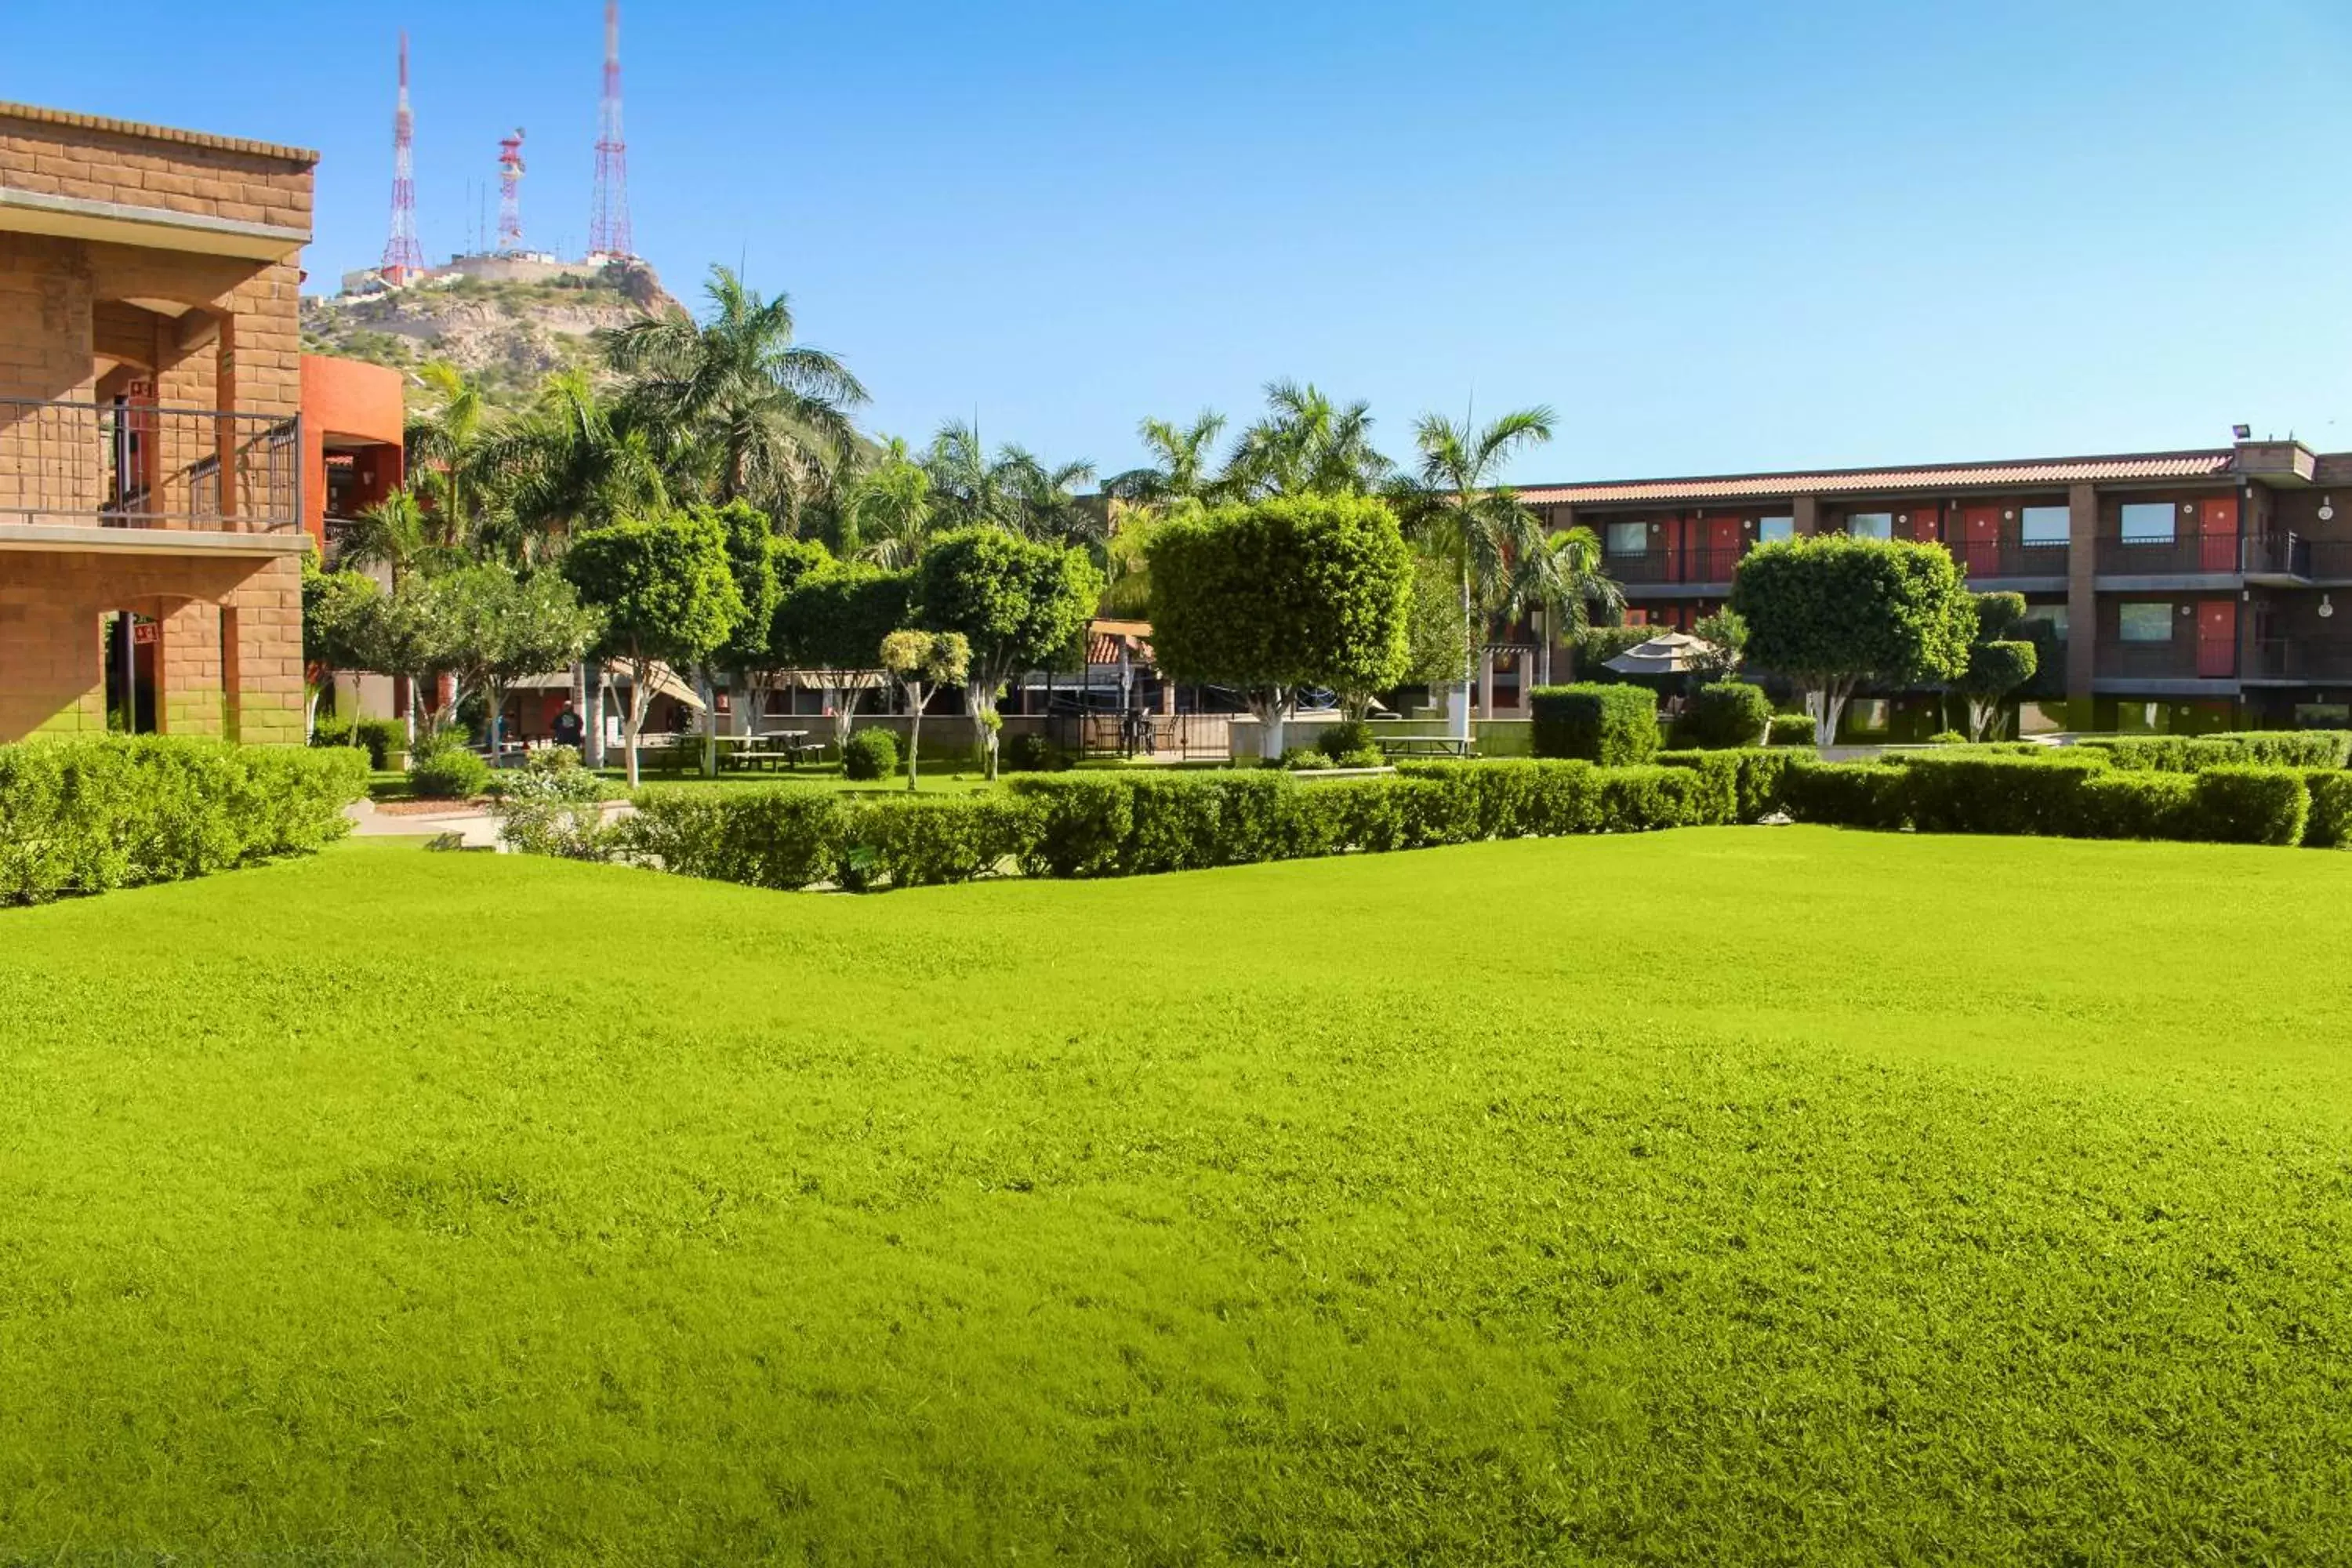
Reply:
x=1423, y=746
x=768, y=748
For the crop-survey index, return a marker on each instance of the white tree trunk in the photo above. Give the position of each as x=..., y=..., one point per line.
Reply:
x=1826, y=703
x=1272, y=713
x=710, y=695
x=838, y=699
x=633, y=716
x=592, y=709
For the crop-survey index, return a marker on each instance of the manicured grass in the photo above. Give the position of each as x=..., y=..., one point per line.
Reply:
x=1741, y=1195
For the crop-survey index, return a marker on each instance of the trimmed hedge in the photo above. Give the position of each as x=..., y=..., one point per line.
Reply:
x=2194, y=753
x=1616, y=726
x=869, y=753
x=2329, y=824
x=1731, y=713
x=451, y=773
x=380, y=737
x=1756, y=776
x=1790, y=729
x=2057, y=795
x=86, y=816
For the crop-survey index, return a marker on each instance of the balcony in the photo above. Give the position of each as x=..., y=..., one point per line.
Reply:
x=1985, y=559
x=2302, y=661
x=2289, y=559
x=2187, y=658
x=1709, y=564
x=67, y=470
x=2182, y=555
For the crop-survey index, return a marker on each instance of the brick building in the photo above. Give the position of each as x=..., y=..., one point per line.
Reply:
x=2185, y=590
x=152, y=457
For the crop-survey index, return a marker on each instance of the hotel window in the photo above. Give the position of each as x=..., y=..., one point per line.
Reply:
x=2042, y=525
x=2055, y=614
x=1628, y=538
x=1768, y=529
x=2148, y=522
x=1871, y=525
x=2144, y=622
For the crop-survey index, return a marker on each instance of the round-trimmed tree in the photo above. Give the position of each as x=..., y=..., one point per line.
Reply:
x=666, y=597
x=1833, y=612
x=1999, y=663
x=832, y=622
x=1018, y=603
x=1281, y=595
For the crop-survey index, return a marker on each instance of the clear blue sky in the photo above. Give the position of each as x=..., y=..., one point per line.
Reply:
x=1712, y=235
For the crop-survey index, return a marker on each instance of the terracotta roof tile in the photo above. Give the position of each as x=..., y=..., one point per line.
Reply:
x=1865, y=481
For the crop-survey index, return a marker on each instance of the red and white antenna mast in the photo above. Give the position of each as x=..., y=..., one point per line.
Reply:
x=608, y=223
x=510, y=192
x=402, y=259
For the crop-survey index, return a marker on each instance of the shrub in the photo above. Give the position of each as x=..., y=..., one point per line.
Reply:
x=1948, y=738
x=1082, y=827
x=2260, y=748
x=1731, y=713
x=2330, y=826
x=1611, y=725
x=869, y=753
x=379, y=737
x=1790, y=729
x=1846, y=794
x=1034, y=753
x=784, y=836
x=1347, y=742
x=1755, y=777
x=1304, y=759
x=924, y=841
x=448, y=773
x=2233, y=805
x=2124, y=803
x=553, y=805
x=87, y=817
x=1959, y=792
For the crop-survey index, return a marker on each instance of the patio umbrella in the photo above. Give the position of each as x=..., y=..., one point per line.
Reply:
x=1672, y=653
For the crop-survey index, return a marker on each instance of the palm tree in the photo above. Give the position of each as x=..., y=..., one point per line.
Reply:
x=399, y=535
x=1307, y=445
x=1017, y=490
x=1563, y=579
x=570, y=463
x=1478, y=526
x=734, y=407
x=446, y=440
x=1181, y=472
x=884, y=514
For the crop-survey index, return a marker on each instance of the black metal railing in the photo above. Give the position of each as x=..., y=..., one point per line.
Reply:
x=2183, y=555
x=2186, y=657
x=2302, y=658
x=126, y=465
x=1684, y=564
x=2278, y=554
x=1988, y=558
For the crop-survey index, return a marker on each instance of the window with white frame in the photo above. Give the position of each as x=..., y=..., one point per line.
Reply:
x=2148, y=522
x=1627, y=538
x=1870, y=524
x=2144, y=622
x=2039, y=525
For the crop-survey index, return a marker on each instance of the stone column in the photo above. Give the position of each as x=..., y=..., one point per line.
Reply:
x=1806, y=514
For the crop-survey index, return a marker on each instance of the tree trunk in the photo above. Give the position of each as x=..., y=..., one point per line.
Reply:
x=633, y=717
x=1458, y=718
x=497, y=697
x=710, y=694
x=1272, y=712
x=592, y=709
x=1826, y=703
x=915, y=695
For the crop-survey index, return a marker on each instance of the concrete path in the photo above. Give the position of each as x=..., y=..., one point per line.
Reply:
x=475, y=826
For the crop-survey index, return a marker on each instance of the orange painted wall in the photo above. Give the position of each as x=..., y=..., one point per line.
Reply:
x=350, y=401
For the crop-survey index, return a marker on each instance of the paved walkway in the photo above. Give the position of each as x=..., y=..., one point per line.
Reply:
x=474, y=825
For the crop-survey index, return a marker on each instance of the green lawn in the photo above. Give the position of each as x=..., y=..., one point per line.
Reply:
x=1737, y=1195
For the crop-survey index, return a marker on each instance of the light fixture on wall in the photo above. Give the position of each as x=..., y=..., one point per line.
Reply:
x=2326, y=606
x=2326, y=507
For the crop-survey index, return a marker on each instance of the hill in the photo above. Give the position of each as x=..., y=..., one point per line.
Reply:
x=505, y=334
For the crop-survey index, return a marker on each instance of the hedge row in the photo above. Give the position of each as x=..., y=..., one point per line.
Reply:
x=2061, y=794
x=2258, y=748
x=85, y=816
x=1075, y=826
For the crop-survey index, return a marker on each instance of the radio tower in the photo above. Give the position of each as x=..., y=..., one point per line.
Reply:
x=510, y=192
x=402, y=258
x=608, y=224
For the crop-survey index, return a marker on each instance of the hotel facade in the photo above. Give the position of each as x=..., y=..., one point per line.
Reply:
x=2180, y=591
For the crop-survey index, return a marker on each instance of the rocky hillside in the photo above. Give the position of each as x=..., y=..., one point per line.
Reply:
x=505, y=335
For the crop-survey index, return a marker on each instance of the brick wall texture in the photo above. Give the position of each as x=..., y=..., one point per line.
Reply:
x=81, y=321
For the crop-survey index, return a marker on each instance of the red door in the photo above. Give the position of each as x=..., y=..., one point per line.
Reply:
x=1722, y=549
x=2217, y=639
x=1675, y=561
x=1925, y=524
x=2218, y=533
x=1981, y=532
